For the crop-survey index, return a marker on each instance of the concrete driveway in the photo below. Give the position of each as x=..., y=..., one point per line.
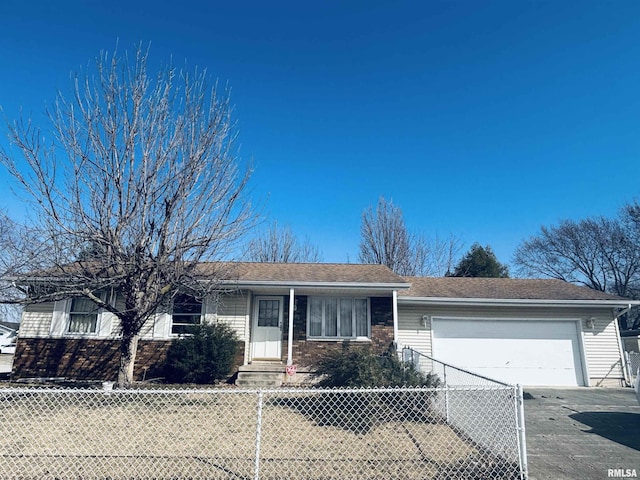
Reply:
x=582, y=433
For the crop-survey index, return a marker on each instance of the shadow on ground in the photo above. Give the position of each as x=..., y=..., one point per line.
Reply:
x=618, y=427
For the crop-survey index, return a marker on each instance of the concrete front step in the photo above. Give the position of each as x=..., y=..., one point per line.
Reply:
x=260, y=375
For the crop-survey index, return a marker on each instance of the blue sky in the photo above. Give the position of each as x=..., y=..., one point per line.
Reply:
x=482, y=119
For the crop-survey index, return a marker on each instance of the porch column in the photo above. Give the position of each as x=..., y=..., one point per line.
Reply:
x=395, y=317
x=290, y=337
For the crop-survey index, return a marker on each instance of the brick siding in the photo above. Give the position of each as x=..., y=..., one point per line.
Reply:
x=89, y=359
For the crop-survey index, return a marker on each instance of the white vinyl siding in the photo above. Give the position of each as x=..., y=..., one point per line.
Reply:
x=36, y=320
x=232, y=310
x=601, y=347
x=412, y=332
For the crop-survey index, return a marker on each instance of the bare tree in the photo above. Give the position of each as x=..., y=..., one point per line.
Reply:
x=600, y=253
x=443, y=253
x=138, y=183
x=280, y=245
x=592, y=252
x=386, y=240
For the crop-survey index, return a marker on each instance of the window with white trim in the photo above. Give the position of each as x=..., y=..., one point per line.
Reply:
x=187, y=312
x=83, y=316
x=337, y=317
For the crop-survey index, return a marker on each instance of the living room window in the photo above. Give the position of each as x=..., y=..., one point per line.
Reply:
x=187, y=312
x=338, y=317
x=83, y=316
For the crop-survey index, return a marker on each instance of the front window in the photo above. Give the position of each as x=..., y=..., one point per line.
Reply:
x=187, y=312
x=83, y=316
x=338, y=317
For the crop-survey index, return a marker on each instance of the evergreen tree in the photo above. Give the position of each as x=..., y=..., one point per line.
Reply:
x=480, y=262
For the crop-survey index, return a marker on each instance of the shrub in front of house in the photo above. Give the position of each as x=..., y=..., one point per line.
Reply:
x=204, y=356
x=357, y=366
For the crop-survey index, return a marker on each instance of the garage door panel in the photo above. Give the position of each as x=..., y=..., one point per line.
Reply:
x=526, y=352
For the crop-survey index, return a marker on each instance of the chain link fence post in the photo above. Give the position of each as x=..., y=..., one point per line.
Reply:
x=258, y=436
x=522, y=439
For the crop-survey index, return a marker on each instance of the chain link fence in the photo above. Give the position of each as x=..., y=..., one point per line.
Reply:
x=256, y=434
x=633, y=364
x=485, y=410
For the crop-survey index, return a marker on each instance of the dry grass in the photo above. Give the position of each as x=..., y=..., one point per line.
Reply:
x=208, y=435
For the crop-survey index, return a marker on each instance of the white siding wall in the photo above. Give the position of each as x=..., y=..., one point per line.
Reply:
x=36, y=320
x=412, y=332
x=232, y=310
x=600, y=345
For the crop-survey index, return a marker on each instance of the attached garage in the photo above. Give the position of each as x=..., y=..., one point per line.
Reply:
x=529, y=352
x=540, y=332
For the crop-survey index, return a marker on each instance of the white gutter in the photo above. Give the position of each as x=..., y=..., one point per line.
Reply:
x=516, y=302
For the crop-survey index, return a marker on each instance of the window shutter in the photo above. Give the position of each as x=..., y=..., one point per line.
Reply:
x=210, y=309
x=105, y=320
x=162, y=325
x=60, y=317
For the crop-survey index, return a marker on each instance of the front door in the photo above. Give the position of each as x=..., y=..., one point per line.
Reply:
x=267, y=328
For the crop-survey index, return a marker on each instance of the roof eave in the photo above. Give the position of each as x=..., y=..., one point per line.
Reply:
x=488, y=302
x=324, y=285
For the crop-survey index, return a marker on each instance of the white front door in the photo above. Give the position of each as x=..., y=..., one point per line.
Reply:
x=267, y=328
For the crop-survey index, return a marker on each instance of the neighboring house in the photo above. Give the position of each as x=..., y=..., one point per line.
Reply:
x=543, y=332
x=8, y=331
x=630, y=340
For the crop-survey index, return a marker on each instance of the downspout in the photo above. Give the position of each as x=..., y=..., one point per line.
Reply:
x=290, y=336
x=395, y=319
x=623, y=360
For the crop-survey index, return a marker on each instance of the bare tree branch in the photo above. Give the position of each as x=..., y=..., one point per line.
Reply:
x=279, y=244
x=385, y=240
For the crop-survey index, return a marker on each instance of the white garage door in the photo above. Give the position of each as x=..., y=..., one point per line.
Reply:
x=528, y=352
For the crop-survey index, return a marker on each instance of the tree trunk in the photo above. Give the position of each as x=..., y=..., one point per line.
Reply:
x=128, y=350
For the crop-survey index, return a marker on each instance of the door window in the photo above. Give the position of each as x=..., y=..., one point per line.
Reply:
x=269, y=313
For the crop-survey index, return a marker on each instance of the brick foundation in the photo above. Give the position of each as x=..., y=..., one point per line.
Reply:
x=89, y=359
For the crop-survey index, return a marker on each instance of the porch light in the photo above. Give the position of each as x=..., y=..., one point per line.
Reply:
x=591, y=323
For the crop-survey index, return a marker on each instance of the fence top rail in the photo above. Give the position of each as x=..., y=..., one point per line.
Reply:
x=467, y=372
x=239, y=391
